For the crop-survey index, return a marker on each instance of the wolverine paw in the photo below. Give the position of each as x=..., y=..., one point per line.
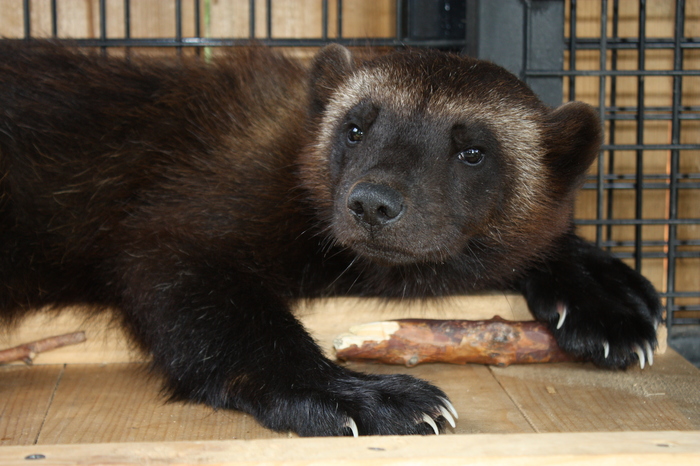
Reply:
x=595, y=344
x=598, y=308
x=362, y=404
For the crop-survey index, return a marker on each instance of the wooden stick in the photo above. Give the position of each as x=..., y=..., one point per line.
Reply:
x=28, y=351
x=412, y=341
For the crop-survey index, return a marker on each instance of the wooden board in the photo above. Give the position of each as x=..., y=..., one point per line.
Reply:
x=123, y=403
x=25, y=397
x=325, y=319
x=95, y=403
x=602, y=449
x=102, y=413
x=580, y=398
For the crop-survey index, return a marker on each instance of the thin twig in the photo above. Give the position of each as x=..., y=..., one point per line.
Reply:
x=28, y=351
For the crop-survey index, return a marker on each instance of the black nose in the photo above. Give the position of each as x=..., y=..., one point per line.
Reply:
x=375, y=204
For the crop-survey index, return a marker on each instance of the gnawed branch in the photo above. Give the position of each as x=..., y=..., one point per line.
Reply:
x=413, y=341
x=28, y=351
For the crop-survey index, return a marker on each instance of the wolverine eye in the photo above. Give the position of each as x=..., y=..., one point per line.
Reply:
x=471, y=157
x=355, y=134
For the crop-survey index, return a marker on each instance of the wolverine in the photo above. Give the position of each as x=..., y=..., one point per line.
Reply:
x=199, y=200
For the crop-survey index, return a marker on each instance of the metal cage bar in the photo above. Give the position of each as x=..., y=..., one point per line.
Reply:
x=600, y=191
x=675, y=155
x=611, y=201
x=639, y=179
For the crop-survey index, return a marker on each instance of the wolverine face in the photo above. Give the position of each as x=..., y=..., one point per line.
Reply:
x=426, y=156
x=412, y=186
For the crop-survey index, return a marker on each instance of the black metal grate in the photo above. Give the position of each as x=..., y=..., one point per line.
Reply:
x=647, y=215
x=424, y=23
x=623, y=192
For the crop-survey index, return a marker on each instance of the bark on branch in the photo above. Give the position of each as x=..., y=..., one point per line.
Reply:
x=413, y=341
x=28, y=351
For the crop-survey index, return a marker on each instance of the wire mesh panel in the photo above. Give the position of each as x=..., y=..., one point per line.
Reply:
x=637, y=61
x=206, y=23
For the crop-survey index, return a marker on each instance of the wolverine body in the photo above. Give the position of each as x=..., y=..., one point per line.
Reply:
x=198, y=201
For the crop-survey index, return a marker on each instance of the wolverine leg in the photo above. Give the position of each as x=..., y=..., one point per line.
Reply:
x=228, y=340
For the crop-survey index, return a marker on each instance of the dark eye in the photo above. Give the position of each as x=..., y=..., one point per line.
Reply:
x=471, y=157
x=355, y=134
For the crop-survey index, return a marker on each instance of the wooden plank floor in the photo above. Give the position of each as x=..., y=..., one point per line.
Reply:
x=118, y=401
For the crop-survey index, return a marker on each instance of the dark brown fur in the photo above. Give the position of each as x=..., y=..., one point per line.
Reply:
x=199, y=201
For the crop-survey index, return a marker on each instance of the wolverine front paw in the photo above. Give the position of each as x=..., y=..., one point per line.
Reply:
x=591, y=341
x=598, y=308
x=362, y=404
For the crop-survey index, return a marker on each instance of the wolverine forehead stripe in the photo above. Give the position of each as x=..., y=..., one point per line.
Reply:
x=378, y=86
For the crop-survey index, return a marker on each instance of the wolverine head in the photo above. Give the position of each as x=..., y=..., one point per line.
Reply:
x=423, y=156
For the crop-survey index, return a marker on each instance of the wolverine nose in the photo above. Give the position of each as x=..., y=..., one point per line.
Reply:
x=375, y=204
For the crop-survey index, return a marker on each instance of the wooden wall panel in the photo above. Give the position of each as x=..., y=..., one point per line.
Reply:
x=11, y=19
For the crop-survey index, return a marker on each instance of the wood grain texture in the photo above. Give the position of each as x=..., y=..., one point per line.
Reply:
x=578, y=397
x=564, y=397
x=602, y=449
x=123, y=403
x=25, y=397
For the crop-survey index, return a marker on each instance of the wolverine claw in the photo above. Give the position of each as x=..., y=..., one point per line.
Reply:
x=640, y=355
x=561, y=309
x=447, y=416
x=450, y=407
x=429, y=420
x=606, y=349
x=350, y=424
x=650, y=353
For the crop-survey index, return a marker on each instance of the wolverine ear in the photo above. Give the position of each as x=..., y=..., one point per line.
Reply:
x=573, y=138
x=330, y=67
